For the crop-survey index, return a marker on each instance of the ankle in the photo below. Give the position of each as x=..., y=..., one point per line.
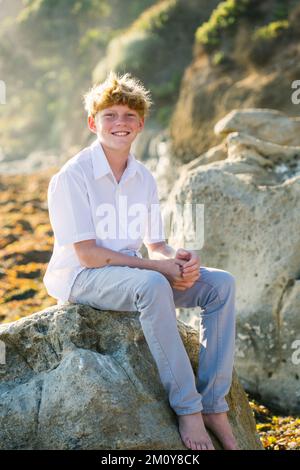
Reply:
x=198, y=413
x=222, y=414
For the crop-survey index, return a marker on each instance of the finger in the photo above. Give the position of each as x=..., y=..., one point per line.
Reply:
x=179, y=284
x=182, y=282
x=184, y=255
x=180, y=262
x=190, y=269
x=183, y=252
x=178, y=277
x=190, y=281
x=192, y=262
x=186, y=281
x=183, y=287
x=193, y=273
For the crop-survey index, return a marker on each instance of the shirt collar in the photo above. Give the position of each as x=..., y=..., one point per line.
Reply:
x=101, y=167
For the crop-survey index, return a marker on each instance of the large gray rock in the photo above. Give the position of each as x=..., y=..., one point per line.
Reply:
x=80, y=378
x=265, y=124
x=252, y=229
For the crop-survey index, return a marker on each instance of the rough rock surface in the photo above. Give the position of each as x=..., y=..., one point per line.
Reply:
x=265, y=124
x=80, y=378
x=234, y=71
x=251, y=213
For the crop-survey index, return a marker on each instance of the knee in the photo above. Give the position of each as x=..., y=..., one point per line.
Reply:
x=225, y=283
x=229, y=279
x=153, y=283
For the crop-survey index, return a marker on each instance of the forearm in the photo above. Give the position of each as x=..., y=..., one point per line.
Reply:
x=97, y=257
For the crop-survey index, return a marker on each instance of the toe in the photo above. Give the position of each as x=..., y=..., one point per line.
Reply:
x=187, y=443
x=194, y=445
x=210, y=446
x=191, y=444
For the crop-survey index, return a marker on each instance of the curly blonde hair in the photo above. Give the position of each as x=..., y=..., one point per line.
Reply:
x=118, y=89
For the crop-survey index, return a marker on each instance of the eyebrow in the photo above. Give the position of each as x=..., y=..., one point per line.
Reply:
x=112, y=111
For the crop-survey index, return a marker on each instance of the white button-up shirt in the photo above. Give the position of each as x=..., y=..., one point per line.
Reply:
x=86, y=202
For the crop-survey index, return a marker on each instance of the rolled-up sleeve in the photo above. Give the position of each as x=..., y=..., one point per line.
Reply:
x=154, y=227
x=69, y=208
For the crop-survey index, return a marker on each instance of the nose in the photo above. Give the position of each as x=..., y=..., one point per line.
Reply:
x=120, y=119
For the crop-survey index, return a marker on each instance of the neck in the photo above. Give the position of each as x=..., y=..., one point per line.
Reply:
x=117, y=159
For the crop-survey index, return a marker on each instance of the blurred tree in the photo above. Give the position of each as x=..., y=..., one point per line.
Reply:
x=48, y=49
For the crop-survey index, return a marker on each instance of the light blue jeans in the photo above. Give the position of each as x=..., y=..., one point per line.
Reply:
x=150, y=293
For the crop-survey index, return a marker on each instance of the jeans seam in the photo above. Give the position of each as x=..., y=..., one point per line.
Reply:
x=218, y=341
x=187, y=411
x=164, y=354
x=217, y=291
x=218, y=352
x=166, y=359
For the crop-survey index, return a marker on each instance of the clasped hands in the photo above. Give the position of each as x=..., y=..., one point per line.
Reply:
x=189, y=265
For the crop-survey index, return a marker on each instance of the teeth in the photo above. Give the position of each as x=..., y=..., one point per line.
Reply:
x=120, y=133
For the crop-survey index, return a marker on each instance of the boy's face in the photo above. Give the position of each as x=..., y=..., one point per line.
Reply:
x=116, y=126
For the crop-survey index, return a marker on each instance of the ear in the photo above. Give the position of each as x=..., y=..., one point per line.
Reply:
x=142, y=124
x=92, y=124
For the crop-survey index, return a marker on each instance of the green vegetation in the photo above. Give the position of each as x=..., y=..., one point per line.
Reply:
x=144, y=45
x=52, y=50
x=155, y=17
x=280, y=11
x=48, y=49
x=164, y=114
x=219, y=58
x=233, y=20
x=166, y=89
x=265, y=38
x=222, y=18
x=271, y=31
x=156, y=48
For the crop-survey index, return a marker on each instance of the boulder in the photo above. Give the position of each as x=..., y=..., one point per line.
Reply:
x=80, y=378
x=251, y=205
x=265, y=124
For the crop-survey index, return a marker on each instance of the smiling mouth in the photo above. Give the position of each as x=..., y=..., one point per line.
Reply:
x=121, y=133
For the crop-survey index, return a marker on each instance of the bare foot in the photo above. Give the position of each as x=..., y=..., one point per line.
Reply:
x=193, y=432
x=218, y=423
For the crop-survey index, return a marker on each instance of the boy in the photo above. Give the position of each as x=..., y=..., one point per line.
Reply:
x=96, y=261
